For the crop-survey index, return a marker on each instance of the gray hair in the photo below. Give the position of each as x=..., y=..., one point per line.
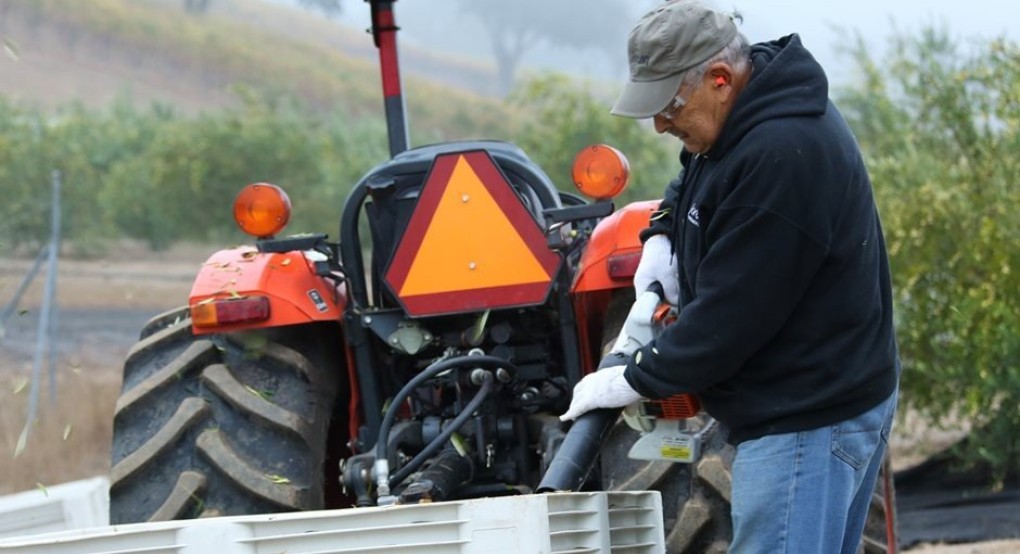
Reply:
x=736, y=54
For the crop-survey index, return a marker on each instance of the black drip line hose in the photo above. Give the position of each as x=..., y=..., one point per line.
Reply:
x=461, y=362
x=488, y=383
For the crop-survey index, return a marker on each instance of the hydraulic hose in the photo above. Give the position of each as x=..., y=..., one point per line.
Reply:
x=382, y=443
x=488, y=384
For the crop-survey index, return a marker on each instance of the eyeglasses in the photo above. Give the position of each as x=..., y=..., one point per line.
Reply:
x=670, y=111
x=678, y=102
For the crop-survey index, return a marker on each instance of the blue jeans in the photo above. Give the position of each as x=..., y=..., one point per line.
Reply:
x=809, y=491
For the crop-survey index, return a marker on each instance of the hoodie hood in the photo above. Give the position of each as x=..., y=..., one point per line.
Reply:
x=786, y=82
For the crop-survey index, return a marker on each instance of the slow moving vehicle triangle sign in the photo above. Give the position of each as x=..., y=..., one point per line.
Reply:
x=470, y=244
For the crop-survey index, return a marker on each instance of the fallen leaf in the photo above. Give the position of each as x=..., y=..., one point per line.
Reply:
x=279, y=480
x=264, y=395
x=42, y=487
x=20, y=385
x=11, y=48
x=22, y=311
x=285, y=262
x=67, y=431
x=22, y=440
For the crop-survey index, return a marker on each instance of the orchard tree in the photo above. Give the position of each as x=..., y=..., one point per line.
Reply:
x=196, y=6
x=515, y=27
x=331, y=8
x=940, y=130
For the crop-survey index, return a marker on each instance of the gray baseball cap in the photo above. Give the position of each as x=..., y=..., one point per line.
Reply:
x=664, y=44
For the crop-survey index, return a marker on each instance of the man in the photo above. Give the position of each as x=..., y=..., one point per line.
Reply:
x=781, y=274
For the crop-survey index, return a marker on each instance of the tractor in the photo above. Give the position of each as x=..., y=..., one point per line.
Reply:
x=422, y=357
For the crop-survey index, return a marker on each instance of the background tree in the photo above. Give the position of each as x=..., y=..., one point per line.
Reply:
x=940, y=130
x=560, y=116
x=330, y=8
x=196, y=6
x=514, y=27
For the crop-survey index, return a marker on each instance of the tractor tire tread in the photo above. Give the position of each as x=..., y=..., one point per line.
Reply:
x=185, y=496
x=221, y=381
x=224, y=424
x=188, y=414
x=694, y=517
x=196, y=356
x=712, y=472
x=164, y=320
x=213, y=445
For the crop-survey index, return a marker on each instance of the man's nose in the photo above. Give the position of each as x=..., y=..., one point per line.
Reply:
x=661, y=124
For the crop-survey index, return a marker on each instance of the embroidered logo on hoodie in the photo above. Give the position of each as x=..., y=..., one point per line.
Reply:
x=692, y=216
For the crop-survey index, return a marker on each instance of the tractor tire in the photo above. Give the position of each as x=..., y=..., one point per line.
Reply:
x=696, y=497
x=228, y=424
x=166, y=319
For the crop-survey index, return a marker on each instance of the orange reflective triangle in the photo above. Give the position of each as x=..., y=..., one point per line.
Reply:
x=470, y=243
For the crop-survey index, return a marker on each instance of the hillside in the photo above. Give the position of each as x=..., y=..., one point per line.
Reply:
x=95, y=51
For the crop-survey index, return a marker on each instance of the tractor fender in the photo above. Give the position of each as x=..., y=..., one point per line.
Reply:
x=614, y=242
x=288, y=279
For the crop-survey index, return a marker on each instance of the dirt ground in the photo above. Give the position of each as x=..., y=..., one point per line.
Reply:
x=101, y=305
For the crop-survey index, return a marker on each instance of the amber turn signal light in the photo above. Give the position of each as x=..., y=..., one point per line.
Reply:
x=601, y=171
x=262, y=210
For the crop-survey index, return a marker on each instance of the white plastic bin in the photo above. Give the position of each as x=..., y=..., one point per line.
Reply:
x=75, y=505
x=588, y=522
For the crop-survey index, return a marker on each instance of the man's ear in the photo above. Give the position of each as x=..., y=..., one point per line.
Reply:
x=722, y=78
x=721, y=74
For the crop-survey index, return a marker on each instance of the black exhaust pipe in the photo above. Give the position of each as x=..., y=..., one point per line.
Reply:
x=576, y=455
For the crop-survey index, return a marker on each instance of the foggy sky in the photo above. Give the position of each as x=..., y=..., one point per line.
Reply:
x=434, y=24
x=876, y=21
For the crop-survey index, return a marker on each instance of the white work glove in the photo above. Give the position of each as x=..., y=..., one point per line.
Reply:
x=605, y=388
x=658, y=265
x=637, y=329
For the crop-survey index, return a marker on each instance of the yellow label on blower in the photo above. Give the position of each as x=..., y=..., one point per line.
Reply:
x=676, y=449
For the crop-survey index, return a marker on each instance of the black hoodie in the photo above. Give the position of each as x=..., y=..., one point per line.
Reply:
x=786, y=321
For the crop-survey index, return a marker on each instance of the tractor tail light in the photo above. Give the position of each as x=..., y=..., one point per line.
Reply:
x=230, y=310
x=623, y=266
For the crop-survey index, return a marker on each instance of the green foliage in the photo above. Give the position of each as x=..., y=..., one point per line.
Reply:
x=161, y=177
x=941, y=130
x=560, y=117
x=72, y=141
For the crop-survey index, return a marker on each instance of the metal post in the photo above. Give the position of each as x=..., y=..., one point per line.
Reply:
x=43, y=330
x=51, y=285
x=6, y=312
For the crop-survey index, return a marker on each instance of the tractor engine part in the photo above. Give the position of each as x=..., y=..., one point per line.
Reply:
x=447, y=472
